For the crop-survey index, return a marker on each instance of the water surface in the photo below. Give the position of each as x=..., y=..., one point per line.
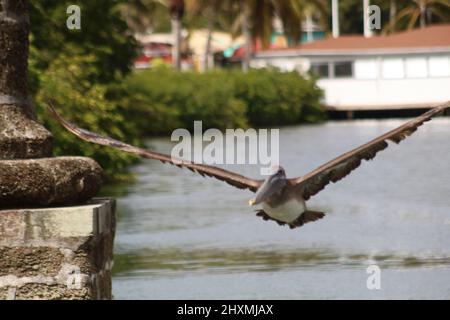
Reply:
x=181, y=236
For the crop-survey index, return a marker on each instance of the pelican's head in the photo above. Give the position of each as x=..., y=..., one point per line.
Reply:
x=271, y=185
x=278, y=170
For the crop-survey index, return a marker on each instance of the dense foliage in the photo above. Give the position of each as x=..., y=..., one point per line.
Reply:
x=76, y=98
x=82, y=71
x=222, y=99
x=277, y=98
x=104, y=35
x=87, y=73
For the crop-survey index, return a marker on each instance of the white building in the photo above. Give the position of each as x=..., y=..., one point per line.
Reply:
x=405, y=70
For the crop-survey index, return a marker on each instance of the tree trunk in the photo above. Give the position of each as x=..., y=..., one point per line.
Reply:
x=176, y=9
x=392, y=15
x=176, y=48
x=309, y=25
x=392, y=10
x=247, y=36
x=208, y=59
x=423, y=11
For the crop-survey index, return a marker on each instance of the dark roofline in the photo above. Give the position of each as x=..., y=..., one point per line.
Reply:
x=435, y=38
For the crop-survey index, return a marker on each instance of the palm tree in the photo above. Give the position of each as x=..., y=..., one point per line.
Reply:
x=176, y=9
x=257, y=20
x=212, y=15
x=139, y=14
x=316, y=10
x=421, y=11
x=210, y=9
x=246, y=13
x=392, y=9
x=251, y=18
x=254, y=20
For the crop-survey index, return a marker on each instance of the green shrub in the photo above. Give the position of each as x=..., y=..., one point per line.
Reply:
x=80, y=101
x=82, y=71
x=278, y=98
x=223, y=99
x=181, y=98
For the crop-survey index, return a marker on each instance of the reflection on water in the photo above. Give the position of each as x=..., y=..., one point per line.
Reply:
x=177, y=262
x=182, y=236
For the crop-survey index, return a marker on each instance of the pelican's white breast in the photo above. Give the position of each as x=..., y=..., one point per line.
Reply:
x=286, y=212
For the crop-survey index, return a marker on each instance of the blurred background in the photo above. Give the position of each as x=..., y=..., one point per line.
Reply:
x=138, y=69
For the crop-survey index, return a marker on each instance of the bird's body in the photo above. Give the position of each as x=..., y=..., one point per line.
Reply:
x=282, y=203
x=283, y=199
x=285, y=210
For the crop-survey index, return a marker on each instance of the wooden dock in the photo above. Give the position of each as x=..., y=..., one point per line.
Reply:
x=379, y=111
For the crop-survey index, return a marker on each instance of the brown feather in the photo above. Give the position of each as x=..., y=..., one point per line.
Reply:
x=234, y=179
x=340, y=167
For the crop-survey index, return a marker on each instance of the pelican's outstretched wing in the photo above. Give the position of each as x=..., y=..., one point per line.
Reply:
x=340, y=167
x=229, y=177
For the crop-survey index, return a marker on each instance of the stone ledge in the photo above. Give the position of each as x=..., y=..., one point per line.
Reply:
x=48, y=181
x=69, y=227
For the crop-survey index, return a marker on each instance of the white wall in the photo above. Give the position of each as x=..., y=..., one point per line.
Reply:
x=384, y=81
x=390, y=81
x=361, y=94
x=285, y=64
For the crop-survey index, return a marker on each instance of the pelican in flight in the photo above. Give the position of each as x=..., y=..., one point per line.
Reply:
x=282, y=199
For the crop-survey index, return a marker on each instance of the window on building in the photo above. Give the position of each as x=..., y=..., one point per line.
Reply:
x=320, y=69
x=416, y=67
x=343, y=69
x=366, y=69
x=439, y=66
x=393, y=68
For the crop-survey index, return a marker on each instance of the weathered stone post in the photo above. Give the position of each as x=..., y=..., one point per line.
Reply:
x=54, y=252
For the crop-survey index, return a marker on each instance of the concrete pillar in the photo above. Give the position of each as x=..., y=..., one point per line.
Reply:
x=335, y=18
x=52, y=253
x=57, y=253
x=367, y=30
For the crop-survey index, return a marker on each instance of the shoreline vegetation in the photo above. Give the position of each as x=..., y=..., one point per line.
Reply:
x=88, y=74
x=155, y=102
x=222, y=99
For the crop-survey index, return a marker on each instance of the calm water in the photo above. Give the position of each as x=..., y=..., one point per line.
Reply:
x=181, y=236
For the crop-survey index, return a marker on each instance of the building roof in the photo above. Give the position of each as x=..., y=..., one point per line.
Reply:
x=432, y=38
